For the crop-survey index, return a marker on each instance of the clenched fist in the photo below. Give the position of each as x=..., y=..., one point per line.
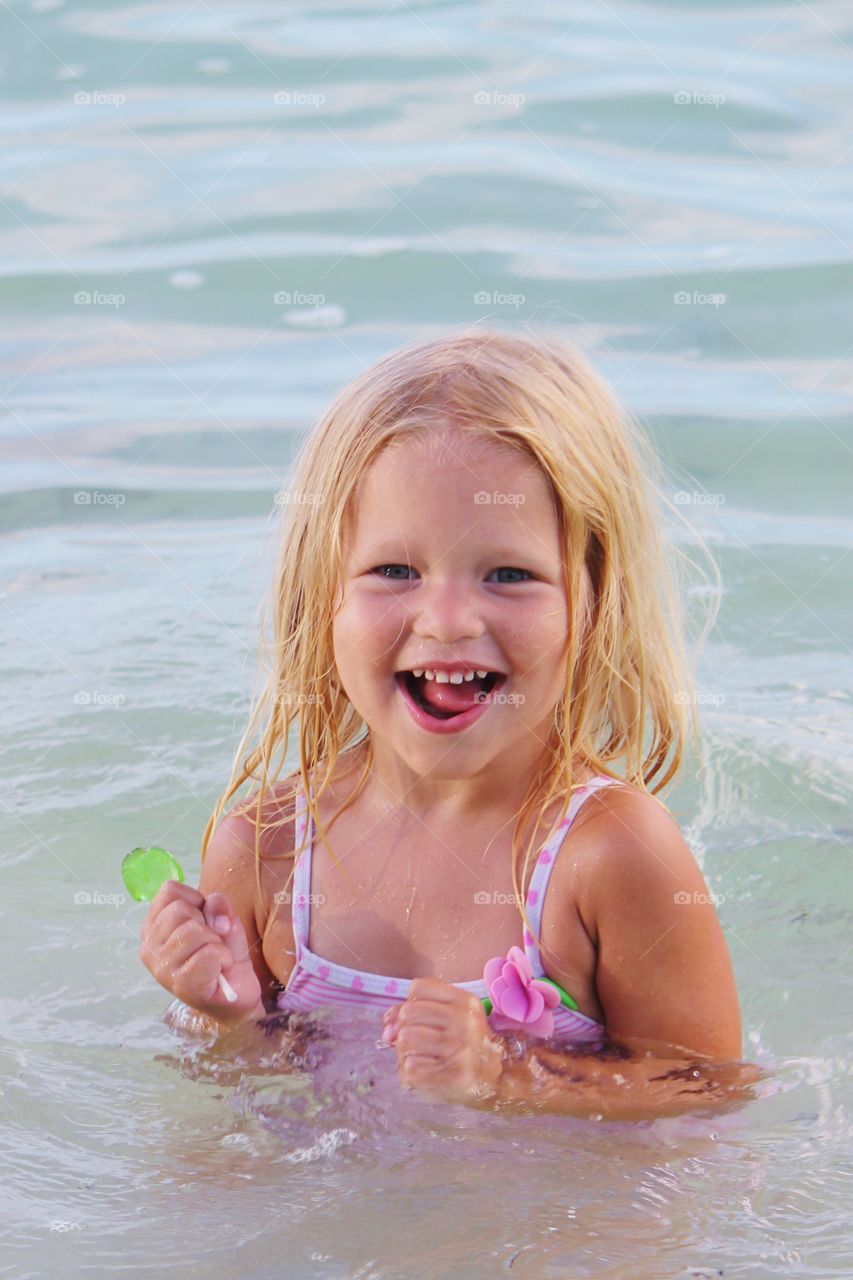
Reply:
x=444, y=1047
x=188, y=941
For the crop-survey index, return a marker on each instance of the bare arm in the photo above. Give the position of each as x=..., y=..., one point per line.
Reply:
x=632, y=1089
x=664, y=980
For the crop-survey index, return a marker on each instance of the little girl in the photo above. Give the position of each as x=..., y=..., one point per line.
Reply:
x=475, y=622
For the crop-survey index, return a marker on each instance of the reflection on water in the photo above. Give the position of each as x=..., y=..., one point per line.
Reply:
x=316, y=1116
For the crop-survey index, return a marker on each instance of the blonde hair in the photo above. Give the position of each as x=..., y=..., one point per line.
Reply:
x=625, y=660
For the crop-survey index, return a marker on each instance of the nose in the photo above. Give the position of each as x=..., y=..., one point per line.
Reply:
x=446, y=611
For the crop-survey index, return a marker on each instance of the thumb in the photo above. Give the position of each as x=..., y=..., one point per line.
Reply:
x=222, y=919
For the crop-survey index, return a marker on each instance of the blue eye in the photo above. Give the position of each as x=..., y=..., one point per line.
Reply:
x=381, y=571
x=507, y=569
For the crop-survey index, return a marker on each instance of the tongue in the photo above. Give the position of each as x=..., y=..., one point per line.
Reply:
x=450, y=697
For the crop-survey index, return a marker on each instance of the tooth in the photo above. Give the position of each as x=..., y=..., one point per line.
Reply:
x=456, y=677
x=482, y=674
x=442, y=677
x=430, y=675
x=469, y=675
x=417, y=673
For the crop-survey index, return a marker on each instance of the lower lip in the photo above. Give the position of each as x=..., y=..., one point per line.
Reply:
x=456, y=723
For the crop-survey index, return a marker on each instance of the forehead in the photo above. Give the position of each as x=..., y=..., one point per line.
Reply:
x=450, y=454
x=435, y=478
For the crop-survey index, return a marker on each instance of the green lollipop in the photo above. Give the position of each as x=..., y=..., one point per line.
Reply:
x=144, y=871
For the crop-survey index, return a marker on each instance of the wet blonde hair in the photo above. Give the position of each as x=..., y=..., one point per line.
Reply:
x=625, y=670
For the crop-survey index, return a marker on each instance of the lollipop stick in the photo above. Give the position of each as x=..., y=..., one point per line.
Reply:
x=227, y=990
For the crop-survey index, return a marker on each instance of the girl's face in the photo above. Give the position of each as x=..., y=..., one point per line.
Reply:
x=452, y=557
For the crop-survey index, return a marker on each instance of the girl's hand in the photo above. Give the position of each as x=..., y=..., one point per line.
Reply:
x=187, y=941
x=445, y=1049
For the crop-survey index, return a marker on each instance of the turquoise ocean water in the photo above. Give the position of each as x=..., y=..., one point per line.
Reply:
x=212, y=217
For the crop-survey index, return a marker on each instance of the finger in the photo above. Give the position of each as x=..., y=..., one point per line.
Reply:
x=218, y=913
x=419, y=1069
x=423, y=1013
x=390, y=1024
x=200, y=972
x=435, y=989
x=160, y=928
x=174, y=891
x=189, y=938
x=420, y=1039
x=225, y=923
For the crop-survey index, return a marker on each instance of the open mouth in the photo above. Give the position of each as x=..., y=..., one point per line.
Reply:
x=465, y=696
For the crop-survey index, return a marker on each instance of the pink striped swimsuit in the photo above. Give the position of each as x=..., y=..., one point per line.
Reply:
x=315, y=982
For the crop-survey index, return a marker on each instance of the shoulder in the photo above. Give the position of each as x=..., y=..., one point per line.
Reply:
x=634, y=854
x=663, y=972
x=247, y=847
x=631, y=840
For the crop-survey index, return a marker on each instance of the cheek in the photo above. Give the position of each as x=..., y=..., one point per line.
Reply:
x=363, y=631
x=541, y=638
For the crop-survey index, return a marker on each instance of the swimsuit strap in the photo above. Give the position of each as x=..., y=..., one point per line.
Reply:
x=300, y=909
x=545, y=865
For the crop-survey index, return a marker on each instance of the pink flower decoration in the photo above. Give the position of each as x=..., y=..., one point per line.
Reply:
x=519, y=999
